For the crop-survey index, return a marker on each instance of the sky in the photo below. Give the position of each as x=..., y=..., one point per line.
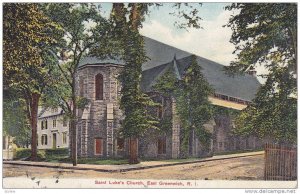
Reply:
x=211, y=42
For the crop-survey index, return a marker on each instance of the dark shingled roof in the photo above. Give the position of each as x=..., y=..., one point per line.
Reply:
x=162, y=58
x=95, y=60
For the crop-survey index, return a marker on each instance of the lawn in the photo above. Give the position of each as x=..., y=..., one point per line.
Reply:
x=97, y=161
x=61, y=156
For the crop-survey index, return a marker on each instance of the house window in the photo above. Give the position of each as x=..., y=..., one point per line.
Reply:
x=99, y=86
x=54, y=123
x=44, y=140
x=120, y=144
x=44, y=124
x=98, y=146
x=65, y=122
x=64, y=137
x=54, y=110
x=161, y=145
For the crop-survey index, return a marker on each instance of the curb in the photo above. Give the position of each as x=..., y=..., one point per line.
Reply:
x=129, y=169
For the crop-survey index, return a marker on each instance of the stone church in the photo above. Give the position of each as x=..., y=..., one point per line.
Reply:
x=99, y=123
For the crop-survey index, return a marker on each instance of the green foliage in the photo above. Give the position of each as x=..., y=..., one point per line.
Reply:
x=273, y=113
x=15, y=122
x=46, y=154
x=165, y=124
x=219, y=110
x=102, y=161
x=57, y=151
x=188, y=14
x=79, y=40
x=82, y=102
x=193, y=107
x=26, y=32
x=166, y=84
x=265, y=34
x=133, y=101
x=24, y=153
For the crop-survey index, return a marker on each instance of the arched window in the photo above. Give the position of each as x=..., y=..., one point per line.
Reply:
x=99, y=86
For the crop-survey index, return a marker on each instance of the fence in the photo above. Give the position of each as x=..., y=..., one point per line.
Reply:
x=280, y=162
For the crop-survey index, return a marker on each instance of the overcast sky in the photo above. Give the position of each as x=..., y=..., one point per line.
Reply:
x=211, y=42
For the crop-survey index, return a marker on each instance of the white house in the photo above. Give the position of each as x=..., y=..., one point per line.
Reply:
x=52, y=129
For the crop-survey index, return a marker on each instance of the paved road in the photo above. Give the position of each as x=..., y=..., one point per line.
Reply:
x=246, y=168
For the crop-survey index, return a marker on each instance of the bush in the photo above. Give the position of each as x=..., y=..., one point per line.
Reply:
x=24, y=153
x=58, y=151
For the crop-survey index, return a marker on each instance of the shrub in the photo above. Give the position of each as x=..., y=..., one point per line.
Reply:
x=58, y=151
x=24, y=153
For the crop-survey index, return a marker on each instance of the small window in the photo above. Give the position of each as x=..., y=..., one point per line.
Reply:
x=98, y=146
x=64, y=137
x=44, y=140
x=161, y=145
x=65, y=122
x=120, y=144
x=54, y=123
x=44, y=124
x=99, y=86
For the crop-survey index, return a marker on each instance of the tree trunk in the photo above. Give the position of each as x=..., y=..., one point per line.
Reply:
x=73, y=126
x=133, y=150
x=34, y=102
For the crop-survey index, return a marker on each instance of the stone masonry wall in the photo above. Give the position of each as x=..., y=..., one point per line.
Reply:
x=96, y=113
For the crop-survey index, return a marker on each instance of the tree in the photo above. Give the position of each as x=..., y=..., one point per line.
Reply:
x=26, y=34
x=265, y=35
x=193, y=107
x=15, y=122
x=128, y=20
x=133, y=100
x=199, y=109
x=80, y=40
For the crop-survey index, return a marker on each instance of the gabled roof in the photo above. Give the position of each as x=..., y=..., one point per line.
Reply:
x=45, y=112
x=95, y=60
x=242, y=87
x=162, y=57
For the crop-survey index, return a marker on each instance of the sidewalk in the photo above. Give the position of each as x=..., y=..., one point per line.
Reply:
x=128, y=167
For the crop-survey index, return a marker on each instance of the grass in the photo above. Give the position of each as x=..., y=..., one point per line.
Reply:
x=97, y=161
x=238, y=152
x=194, y=159
x=64, y=158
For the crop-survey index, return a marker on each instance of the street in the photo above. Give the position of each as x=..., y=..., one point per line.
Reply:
x=245, y=168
